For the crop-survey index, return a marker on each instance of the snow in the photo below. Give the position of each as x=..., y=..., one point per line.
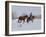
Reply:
x=35, y=25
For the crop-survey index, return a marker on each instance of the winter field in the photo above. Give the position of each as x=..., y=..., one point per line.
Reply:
x=25, y=10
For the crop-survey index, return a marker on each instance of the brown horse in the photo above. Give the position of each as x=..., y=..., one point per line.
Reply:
x=26, y=17
x=22, y=18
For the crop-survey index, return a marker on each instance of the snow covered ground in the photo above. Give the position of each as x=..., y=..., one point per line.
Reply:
x=35, y=25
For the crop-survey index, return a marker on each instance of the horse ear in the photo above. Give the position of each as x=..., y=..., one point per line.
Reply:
x=31, y=13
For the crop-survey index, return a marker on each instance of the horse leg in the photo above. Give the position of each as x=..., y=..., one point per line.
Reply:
x=23, y=20
x=19, y=21
x=27, y=20
x=32, y=20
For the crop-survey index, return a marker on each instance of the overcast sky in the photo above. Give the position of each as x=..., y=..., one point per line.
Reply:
x=19, y=10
